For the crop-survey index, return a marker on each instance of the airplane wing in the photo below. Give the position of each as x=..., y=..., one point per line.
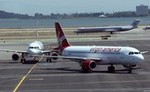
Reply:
x=46, y=51
x=16, y=51
x=73, y=58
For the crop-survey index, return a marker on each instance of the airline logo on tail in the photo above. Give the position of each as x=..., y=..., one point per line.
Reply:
x=61, y=39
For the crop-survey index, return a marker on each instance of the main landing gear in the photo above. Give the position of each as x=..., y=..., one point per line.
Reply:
x=23, y=60
x=129, y=67
x=48, y=60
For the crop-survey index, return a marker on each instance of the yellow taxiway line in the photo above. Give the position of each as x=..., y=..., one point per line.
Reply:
x=24, y=77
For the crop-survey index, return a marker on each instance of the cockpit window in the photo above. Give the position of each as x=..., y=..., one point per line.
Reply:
x=131, y=53
x=33, y=47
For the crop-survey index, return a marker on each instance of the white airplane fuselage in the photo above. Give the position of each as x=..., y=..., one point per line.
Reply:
x=110, y=29
x=103, y=29
x=35, y=48
x=108, y=54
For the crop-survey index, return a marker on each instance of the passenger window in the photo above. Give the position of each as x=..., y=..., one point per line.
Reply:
x=130, y=53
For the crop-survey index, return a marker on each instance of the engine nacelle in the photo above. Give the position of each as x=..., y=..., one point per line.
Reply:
x=129, y=66
x=15, y=57
x=88, y=65
x=54, y=54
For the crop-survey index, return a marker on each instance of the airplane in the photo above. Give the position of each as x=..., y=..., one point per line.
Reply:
x=110, y=29
x=34, y=48
x=146, y=28
x=90, y=56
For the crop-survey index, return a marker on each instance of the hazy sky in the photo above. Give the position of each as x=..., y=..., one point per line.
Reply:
x=69, y=6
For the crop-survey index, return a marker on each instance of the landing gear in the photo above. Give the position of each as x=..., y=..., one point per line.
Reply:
x=129, y=69
x=23, y=60
x=48, y=60
x=111, y=69
x=84, y=70
x=111, y=32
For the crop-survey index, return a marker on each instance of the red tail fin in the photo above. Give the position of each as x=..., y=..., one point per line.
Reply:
x=61, y=39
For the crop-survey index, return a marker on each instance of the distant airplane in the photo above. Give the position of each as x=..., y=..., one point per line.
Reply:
x=110, y=29
x=34, y=48
x=146, y=28
x=90, y=56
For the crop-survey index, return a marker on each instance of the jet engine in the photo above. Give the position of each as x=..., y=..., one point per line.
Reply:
x=15, y=57
x=88, y=65
x=54, y=54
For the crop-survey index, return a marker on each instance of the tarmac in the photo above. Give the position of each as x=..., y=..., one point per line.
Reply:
x=65, y=75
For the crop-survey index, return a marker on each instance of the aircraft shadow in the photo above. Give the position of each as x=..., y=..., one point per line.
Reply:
x=118, y=71
x=16, y=62
x=68, y=70
x=60, y=70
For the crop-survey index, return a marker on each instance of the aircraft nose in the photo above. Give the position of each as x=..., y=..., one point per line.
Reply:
x=140, y=57
x=34, y=52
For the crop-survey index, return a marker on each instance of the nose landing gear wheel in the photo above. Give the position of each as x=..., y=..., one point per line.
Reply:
x=130, y=70
x=111, y=69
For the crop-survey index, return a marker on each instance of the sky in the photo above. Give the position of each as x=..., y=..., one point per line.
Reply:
x=69, y=6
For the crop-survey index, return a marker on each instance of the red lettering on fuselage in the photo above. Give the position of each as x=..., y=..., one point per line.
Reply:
x=105, y=49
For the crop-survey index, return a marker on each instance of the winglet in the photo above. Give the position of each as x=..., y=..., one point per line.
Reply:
x=61, y=39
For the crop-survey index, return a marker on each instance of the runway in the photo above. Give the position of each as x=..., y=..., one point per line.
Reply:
x=65, y=75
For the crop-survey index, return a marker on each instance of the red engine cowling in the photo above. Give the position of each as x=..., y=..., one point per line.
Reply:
x=15, y=57
x=88, y=65
x=54, y=54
